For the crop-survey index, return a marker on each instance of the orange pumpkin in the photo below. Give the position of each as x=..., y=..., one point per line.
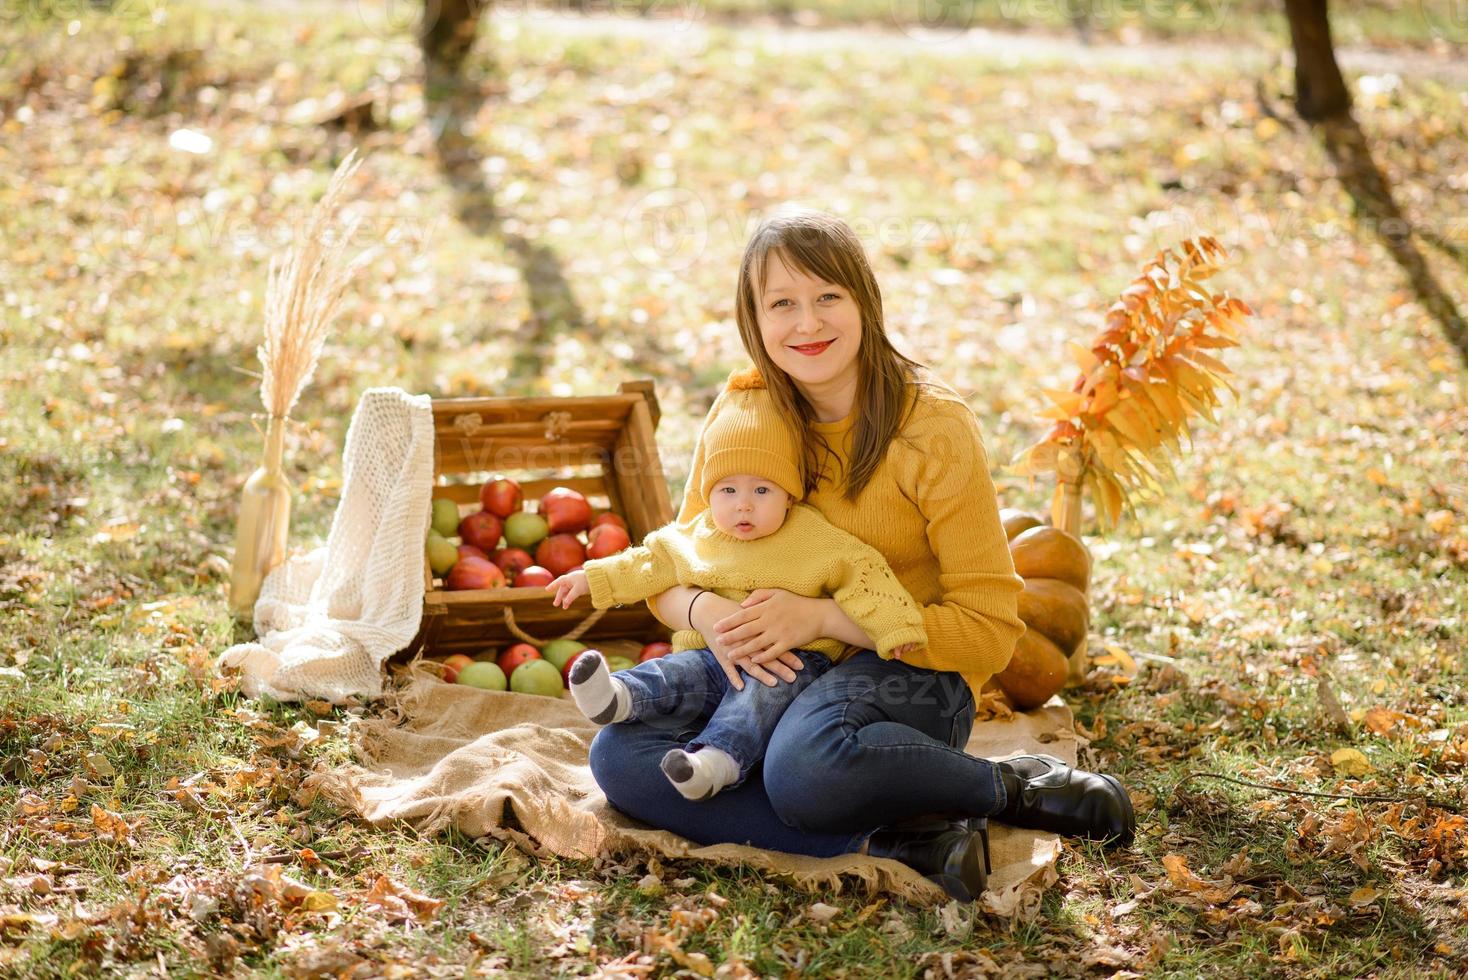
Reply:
x=1048, y=552
x=1036, y=671
x=1015, y=521
x=1056, y=568
x=1057, y=609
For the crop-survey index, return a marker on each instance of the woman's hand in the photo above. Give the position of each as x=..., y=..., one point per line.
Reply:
x=714, y=608
x=769, y=624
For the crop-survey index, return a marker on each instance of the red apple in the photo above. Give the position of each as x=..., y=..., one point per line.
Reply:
x=452, y=666
x=501, y=497
x=607, y=517
x=654, y=650
x=566, y=670
x=560, y=553
x=482, y=529
x=566, y=511
x=515, y=656
x=513, y=561
x=608, y=539
x=466, y=550
x=475, y=573
x=534, y=576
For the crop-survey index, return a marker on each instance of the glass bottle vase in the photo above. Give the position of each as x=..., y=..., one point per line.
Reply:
x=264, y=524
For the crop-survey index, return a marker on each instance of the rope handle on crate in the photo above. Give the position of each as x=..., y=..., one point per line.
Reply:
x=575, y=634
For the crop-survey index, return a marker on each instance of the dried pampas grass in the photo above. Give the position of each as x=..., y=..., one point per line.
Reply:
x=302, y=295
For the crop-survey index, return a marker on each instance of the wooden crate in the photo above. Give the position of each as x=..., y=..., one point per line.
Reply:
x=534, y=437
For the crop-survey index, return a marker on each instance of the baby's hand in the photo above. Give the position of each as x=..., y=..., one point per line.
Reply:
x=898, y=652
x=569, y=588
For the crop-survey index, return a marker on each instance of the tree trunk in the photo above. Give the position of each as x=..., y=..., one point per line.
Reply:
x=447, y=34
x=1320, y=91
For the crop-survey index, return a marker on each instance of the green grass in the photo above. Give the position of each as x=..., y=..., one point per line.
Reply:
x=1321, y=527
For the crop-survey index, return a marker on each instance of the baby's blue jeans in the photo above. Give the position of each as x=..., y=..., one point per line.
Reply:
x=674, y=692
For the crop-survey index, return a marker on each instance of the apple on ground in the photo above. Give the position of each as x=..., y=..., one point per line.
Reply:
x=608, y=539
x=474, y=573
x=516, y=655
x=453, y=665
x=441, y=554
x=537, y=677
x=483, y=675
x=513, y=561
x=560, y=553
x=525, y=530
x=654, y=650
x=445, y=517
x=560, y=651
x=534, y=576
x=607, y=517
x=566, y=511
x=615, y=664
x=501, y=496
x=482, y=529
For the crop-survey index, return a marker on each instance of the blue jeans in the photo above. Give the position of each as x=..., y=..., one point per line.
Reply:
x=870, y=743
x=677, y=691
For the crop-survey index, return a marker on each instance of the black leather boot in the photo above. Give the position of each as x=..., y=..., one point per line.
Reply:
x=1046, y=794
x=954, y=854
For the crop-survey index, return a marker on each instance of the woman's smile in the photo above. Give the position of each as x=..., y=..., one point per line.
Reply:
x=811, y=350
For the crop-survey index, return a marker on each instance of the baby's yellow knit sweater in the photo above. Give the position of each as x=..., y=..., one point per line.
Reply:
x=931, y=510
x=806, y=555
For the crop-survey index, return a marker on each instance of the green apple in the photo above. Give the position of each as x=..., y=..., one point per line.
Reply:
x=559, y=651
x=525, y=530
x=445, y=518
x=442, y=554
x=537, y=677
x=615, y=664
x=482, y=674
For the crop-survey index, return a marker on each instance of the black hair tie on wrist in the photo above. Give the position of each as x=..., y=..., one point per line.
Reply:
x=690, y=607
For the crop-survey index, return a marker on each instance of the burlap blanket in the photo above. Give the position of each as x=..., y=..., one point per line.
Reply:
x=448, y=755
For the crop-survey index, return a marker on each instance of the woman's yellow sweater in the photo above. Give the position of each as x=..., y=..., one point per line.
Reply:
x=806, y=555
x=932, y=511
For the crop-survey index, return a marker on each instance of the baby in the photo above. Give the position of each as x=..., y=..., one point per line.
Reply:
x=753, y=535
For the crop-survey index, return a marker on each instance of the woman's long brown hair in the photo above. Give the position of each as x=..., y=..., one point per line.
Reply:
x=822, y=245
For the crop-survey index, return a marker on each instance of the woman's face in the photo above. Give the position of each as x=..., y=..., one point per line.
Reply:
x=811, y=328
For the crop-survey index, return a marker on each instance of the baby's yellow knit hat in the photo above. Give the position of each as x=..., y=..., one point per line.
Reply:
x=749, y=436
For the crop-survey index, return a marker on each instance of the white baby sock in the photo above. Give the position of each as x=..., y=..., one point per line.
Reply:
x=699, y=775
x=600, y=696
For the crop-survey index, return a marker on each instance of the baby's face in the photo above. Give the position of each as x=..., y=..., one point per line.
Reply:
x=748, y=507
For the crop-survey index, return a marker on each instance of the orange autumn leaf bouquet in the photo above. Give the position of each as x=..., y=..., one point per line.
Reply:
x=1140, y=380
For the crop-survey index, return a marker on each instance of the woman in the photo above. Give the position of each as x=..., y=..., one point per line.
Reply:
x=869, y=758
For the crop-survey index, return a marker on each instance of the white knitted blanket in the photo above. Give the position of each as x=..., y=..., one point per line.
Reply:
x=325, y=621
